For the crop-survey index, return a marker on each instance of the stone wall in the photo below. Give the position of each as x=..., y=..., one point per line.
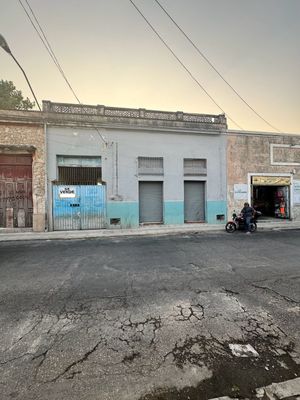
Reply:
x=23, y=132
x=258, y=153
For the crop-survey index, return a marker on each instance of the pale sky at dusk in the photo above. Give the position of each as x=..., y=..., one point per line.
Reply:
x=112, y=57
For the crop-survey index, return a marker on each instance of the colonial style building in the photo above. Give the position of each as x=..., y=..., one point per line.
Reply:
x=91, y=167
x=124, y=167
x=264, y=169
x=22, y=170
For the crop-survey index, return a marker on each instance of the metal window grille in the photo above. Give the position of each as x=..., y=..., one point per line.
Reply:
x=195, y=166
x=79, y=175
x=150, y=166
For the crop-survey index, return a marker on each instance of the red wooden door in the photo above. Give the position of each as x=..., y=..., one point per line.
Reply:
x=16, y=189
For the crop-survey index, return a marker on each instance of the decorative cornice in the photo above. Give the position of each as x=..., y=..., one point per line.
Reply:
x=132, y=118
x=64, y=114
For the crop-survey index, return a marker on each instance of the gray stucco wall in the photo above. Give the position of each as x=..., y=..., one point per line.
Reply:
x=120, y=170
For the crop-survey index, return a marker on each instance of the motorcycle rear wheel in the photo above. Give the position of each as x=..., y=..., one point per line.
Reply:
x=253, y=227
x=230, y=227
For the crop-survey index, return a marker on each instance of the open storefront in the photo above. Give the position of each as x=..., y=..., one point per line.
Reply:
x=272, y=196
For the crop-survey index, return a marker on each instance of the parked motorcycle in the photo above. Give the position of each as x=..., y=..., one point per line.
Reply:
x=238, y=222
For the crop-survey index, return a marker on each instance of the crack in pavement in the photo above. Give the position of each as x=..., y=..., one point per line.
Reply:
x=198, y=350
x=290, y=300
x=76, y=362
x=40, y=319
x=15, y=358
x=139, y=327
x=187, y=313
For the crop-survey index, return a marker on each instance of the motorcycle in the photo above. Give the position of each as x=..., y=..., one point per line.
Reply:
x=238, y=222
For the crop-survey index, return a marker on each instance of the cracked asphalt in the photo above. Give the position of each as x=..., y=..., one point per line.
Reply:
x=148, y=318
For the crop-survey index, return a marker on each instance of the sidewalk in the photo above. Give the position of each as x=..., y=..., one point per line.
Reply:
x=153, y=230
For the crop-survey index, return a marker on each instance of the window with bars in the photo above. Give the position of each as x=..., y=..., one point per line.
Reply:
x=195, y=166
x=79, y=170
x=150, y=166
x=79, y=175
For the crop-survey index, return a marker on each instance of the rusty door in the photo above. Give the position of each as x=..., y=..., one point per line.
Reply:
x=16, y=191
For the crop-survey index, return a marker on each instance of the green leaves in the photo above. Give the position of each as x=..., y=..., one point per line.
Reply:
x=12, y=99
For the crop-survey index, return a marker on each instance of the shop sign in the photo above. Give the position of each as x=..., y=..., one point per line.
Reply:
x=271, y=180
x=240, y=191
x=296, y=192
x=67, y=192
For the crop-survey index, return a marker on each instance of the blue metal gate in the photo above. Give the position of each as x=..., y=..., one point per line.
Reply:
x=78, y=207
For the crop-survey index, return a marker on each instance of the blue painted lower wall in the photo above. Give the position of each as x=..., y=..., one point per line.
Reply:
x=214, y=208
x=173, y=212
x=128, y=212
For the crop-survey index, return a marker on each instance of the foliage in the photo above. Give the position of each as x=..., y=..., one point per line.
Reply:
x=12, y=99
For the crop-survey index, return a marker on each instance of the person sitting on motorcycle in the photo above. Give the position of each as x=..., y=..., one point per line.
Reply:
x=247, y=213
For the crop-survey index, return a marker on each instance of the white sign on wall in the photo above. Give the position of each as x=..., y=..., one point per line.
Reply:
x=296, y=192
x=240, y=191
x=67, y=192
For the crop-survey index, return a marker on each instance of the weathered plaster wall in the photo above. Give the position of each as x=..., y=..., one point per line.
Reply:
x=25, y=137
x=249, y=153
x=120, y=170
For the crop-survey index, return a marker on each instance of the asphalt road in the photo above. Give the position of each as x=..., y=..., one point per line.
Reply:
x=148, y=318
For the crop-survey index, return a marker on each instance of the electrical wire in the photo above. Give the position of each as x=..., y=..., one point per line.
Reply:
x=182, y=63
x=50, y=51
x=214, y=68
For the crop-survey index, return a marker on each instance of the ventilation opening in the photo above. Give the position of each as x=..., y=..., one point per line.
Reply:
x=115, y=221
x=151, y=165
x=195, y=166
x=220, y=217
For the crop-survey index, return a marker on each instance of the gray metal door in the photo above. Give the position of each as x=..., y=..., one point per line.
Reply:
x=151, y=202
x=194, y=201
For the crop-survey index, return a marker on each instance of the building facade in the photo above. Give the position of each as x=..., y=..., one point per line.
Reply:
x=125, y=167
x=264, y=169
x=22, y=170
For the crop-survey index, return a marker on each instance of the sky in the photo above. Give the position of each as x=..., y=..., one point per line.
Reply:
x=112, y=57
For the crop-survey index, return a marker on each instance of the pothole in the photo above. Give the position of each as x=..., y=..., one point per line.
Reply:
x=232, y=376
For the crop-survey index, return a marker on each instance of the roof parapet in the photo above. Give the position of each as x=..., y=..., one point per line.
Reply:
x=213, y=122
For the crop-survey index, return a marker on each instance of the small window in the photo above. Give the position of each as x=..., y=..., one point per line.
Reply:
x=195, y=166
x=150, y=166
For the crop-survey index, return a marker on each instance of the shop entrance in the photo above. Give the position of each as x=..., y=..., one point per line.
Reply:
x=271, y=196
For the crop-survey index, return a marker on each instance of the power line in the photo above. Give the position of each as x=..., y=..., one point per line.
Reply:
x=50, y=51
x=182, y=64
x=214, y=68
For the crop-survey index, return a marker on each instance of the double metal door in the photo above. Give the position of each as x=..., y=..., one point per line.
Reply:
x=77, y=207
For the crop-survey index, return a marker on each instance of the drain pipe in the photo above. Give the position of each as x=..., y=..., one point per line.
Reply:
x=46, y=197
x=117, y=169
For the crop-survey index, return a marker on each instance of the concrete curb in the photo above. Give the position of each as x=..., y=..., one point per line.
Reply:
x=283, y=390
x=141, y=231
x=103, y=233
x=276, y=391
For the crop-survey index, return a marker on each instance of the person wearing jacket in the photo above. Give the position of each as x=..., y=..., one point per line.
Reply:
x=248, y=213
